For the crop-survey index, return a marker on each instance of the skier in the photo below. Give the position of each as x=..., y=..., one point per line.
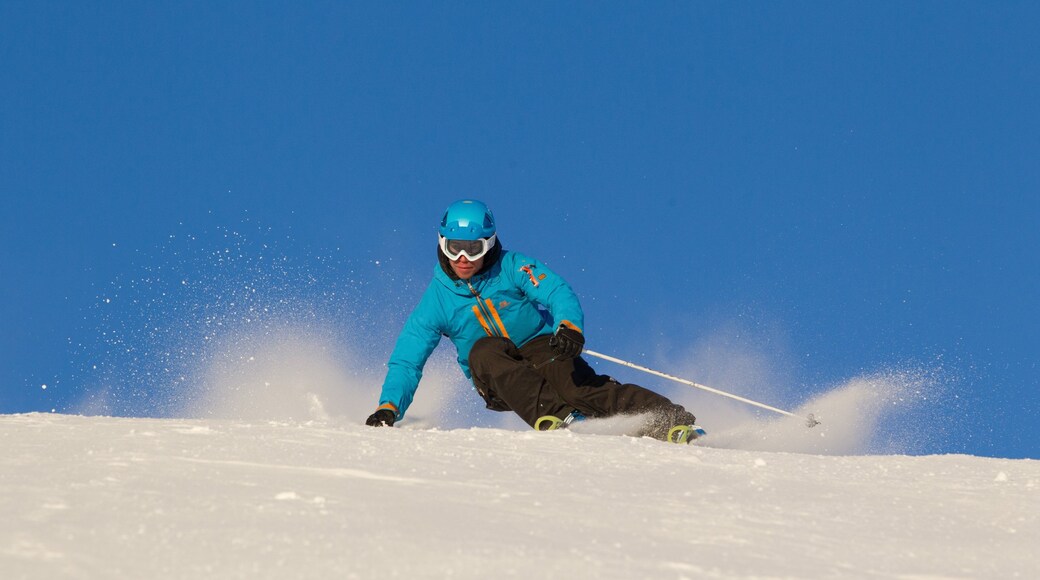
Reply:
x=517, y=327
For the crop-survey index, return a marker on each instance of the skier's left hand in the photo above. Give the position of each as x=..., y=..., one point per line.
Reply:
x=567, y=343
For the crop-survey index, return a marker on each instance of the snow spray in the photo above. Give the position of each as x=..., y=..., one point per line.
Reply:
x=885, y=412
x=228, y=323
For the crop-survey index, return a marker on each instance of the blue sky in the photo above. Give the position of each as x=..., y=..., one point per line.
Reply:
x=841, y=188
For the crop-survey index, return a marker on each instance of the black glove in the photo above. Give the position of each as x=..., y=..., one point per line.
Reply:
x=380, y=418
x=567, y=343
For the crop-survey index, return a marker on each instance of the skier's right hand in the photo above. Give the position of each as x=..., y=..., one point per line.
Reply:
x=382, y=417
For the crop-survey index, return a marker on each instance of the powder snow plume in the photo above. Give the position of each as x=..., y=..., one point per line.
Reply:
x=289, y=374
x=225, y=324
x=909, y=407
x=297, y=374
x=886, y=412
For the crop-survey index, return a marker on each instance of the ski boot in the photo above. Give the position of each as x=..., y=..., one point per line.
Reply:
x=685, y=433
x=552, y=422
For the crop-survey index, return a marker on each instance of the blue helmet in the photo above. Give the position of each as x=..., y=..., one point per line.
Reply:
x=467, y=219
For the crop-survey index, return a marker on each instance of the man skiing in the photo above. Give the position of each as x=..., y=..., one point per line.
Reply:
x=517, y=327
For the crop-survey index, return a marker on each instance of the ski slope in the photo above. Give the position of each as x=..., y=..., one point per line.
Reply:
x=96, y=497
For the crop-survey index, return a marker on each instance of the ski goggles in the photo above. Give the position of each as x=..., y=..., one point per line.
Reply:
x=472, y=249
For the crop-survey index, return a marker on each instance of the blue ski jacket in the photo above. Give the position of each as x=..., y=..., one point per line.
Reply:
x=517, y=297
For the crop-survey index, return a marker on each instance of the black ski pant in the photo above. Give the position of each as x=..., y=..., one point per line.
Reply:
x=529, y=382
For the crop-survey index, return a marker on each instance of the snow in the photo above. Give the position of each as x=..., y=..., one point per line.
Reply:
x=98, y=497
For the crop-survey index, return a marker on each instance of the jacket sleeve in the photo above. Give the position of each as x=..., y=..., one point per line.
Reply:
x=548, y=289
x=414, y=346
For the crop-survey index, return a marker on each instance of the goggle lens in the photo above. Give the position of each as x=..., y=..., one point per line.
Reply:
x=473, y=249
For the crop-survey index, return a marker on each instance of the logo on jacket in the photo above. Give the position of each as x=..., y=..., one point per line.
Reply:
x=530, y=274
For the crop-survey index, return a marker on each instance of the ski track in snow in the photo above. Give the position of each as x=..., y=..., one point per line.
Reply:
x=93, y=497
x=331, y=472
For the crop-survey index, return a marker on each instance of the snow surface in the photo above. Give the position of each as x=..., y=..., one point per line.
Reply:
x=96, y=497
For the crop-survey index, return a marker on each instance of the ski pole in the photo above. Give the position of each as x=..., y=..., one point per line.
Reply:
x=810, y=420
